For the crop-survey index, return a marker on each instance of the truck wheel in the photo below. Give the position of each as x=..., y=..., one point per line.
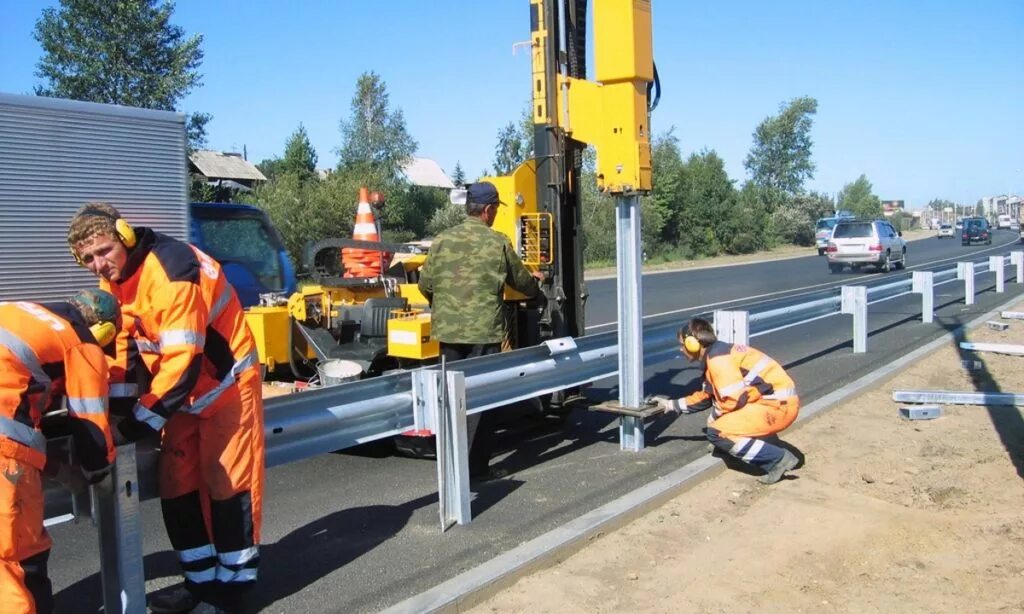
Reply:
x=903, y=261
x=821, y=252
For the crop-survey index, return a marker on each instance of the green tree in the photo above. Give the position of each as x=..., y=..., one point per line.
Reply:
x=123, y=52
x=299, y=156
x=515, y=144
x=271, y=167
x=708, y=207
x=780, y=159
x=444, y=218
x=374, y=139
x=458, y=175
x=795, y=223
x=858, y=198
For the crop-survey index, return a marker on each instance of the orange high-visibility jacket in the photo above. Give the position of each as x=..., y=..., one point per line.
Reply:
x=736, y=375
x=186, y=323
x=47, y=351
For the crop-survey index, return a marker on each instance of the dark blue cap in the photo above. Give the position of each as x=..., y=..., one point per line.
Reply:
x=482, y=193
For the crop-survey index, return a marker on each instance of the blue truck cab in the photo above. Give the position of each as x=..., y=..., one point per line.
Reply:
x=242, y=239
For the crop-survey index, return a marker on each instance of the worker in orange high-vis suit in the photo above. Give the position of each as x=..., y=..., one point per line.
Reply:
x=187, y=325
x=46, y=351
x=751, y=397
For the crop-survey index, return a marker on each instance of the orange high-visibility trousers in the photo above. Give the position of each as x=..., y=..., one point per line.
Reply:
x=211, y=485
x=24, y=543
x=739, y=432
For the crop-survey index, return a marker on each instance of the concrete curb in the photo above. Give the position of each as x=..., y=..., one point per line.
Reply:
x=474, y=586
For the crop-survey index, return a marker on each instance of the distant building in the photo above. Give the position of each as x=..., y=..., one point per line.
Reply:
x=224, y=169
x=425, y=172
x=422, y=172
x=890, y=207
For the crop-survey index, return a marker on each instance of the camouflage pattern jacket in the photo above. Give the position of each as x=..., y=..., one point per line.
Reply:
x=464, y=279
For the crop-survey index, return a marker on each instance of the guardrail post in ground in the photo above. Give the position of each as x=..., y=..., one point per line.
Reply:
x=855, y=302
x=117, y=511
x=1017, y=258
x=965, y=271
x=997, y=264
x=924, y=284
x=630, y=301
x=445, y=395
x=424, y=388
x=732, y=326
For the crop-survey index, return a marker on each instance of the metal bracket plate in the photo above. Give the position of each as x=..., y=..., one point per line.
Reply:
x=613, y=407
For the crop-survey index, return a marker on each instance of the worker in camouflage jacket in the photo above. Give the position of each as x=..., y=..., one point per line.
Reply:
x=464, y=279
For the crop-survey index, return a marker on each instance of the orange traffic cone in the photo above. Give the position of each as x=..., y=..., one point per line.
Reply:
x=363, y=262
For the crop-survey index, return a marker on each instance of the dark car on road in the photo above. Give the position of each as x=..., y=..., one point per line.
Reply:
x=976, y=230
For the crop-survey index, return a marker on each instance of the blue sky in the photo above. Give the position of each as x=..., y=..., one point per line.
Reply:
x=925, y=98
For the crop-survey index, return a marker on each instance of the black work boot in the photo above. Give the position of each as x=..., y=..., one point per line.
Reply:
x=779, y=469
x=174, y=600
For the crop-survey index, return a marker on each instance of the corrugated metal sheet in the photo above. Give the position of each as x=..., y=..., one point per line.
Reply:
x=219, y=165
x=55, y=156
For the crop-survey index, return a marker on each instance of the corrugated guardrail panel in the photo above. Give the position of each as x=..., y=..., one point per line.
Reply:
x=56, y=155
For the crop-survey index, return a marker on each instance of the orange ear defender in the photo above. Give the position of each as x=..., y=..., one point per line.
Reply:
x=125, y=232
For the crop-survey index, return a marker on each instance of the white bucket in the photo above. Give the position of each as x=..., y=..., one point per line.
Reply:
x=334, y=372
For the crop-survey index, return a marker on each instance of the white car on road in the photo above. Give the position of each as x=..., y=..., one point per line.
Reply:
x=855, y=243
x=946, y=230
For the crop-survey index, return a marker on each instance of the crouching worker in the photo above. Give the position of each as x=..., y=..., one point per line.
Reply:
x=750, y=397
x=46, y=351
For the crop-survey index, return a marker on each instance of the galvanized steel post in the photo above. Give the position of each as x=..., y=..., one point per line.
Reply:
x=965, y=271
x=1017, y=258
x=855, y=302
x=120, y=536
x=924, y=284
x=732, y=326
x=996, y=263
x=630, y=304
x=449, y=409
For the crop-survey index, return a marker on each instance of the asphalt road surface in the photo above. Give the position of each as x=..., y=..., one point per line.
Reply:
x=359, y=531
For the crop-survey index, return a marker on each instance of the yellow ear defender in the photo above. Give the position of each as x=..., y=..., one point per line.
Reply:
x=691, y=345
x=104, y=332
x=125, y=232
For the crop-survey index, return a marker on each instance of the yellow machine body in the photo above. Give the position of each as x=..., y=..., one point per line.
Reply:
x=409, y=336
x=611, y=114
x=518, y=218
x=269, y=326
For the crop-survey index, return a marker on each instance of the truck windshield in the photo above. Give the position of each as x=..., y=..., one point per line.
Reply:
x=825, y=224
x=244, y=241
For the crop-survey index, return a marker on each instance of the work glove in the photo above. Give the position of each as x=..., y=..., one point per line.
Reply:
x=129, y=430
x=96, y=476
x=669, y=405
x=69, y=477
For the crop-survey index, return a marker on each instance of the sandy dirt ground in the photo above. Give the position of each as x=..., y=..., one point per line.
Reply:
x=884, y=515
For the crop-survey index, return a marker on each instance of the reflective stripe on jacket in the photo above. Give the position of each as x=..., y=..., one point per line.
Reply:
x=187, y=324
x=47, y=351
x=739, y=374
